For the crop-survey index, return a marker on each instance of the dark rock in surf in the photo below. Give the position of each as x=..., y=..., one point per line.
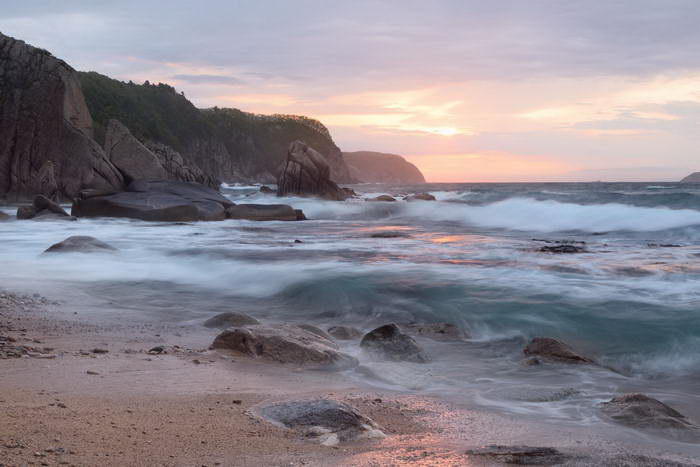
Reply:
x=157, y=200
x=389, y=234
x=520, y=455
x=267, y=190
x=327, y=421
x=554, y=349
x=421, y=197
x=435, y=331
x=264, y=212
x=641, y=411
x=306, y=172
x=284, y=344
x=386, y=198
x=316, y=330
x=43, y=209
x=80, y=244
x=230, y=319
x=349, y=192
x=564, y=248
x=344, y=333
x=389, y=342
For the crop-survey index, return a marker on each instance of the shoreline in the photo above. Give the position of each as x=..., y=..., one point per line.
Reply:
x=139, y=408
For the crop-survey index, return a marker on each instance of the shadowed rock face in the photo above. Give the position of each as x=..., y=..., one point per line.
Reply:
x=131, y=157
x=45, y=128
x=264, y=212
x=307, y=173
x=377, y=167
x=43, y=208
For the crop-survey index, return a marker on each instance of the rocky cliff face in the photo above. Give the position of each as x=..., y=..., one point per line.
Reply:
x=45, y=128
x=692, y=178
x=377, y=167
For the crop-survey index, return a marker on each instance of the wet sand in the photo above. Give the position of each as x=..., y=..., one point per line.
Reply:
x=67, y=405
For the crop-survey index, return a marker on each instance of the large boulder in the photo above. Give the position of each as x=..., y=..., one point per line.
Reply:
x=46, y=144
x=641, y=411
x=128, y=155
x=264, y=212
x=306, y=172
x=389, y=342
x=230, y=319
x=284, y=344
x=156, y=200
x=553, y=349
x=382, y=198
x=80, y=244
x=327, y=421
x=42, y=208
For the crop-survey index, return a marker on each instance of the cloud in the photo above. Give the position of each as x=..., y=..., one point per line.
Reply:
x=209, y=79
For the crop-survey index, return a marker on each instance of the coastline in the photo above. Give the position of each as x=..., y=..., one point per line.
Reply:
x=167, y=409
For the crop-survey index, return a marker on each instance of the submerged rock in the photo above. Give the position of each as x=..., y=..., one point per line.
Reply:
x=641, y=411
x=328, y=421
x=264, y=212
x=344, y=333
x=306, y=172
x=43, y=208
x=554, y=349
x=80, y=244
x=421, y=197
x=389, y=342
x=157, y=200
x=230, y=319
x=435, y=331
x=521, y=455
x=382, y=198
x=284, y=344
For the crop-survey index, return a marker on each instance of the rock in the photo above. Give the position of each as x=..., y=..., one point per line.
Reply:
x=421, y=197
x=100, y=350
x=641, y=411
x=43, y=208
x=692, y=178
x=157, y=200
x=230, y=319
x=328, y=421
x=316, y=330
x=520, y=455
x=306, y=172
x=80, y=244
x=266, y=189
x=92, y=372
x=554, y=349
x=284, y=344
x=4, y=217
x=264, y=212
x=562, y=249
x=46, y=144
x=389, y=342
x=377, y=167
x=344, y=333
x=435, y=331
x=132, y=158
x=349, y=192
x=177, y=169
x=382, y=198
x=389, y=234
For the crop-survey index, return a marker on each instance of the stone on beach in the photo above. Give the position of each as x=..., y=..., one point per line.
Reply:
x=642, y=411
x=284, y=343
x=554, y=349
x=328, y=421
x=230, y=319
x=80, y=244
x=389, y=342
x=264, y=212
x=344, y=333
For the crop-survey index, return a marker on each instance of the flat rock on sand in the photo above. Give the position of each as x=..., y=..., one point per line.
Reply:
x=230, y=319
x=389, y=342
x=285, y=343
x=328, y=421
x=556, y=350
x=80, y=244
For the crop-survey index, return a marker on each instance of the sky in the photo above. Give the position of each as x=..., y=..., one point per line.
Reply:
x=476, y=91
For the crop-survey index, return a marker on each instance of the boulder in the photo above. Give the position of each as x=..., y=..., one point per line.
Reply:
x=520, y=455
x=267, y=190
x=641, y=411
x=344, y=333
x=157, y=200
x=564, y=248
x=46, y=144
x=435, y=331
x=421, y=197
x=382, y=198
x=327, y=421
x=316, y=330
x=554, y=349
x=43, y=209
x=389, y=342
x=80, y=244
x=389, y=234
x=306, y=172
x=264, y=212
x=284, y=344
x=132, y=158
x=230, y=319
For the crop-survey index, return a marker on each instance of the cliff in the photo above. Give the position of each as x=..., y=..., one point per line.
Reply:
x=46, y=144
x=692, y=178
x=377, y=167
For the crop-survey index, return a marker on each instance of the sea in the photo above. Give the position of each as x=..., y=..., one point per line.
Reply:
x=630, y=299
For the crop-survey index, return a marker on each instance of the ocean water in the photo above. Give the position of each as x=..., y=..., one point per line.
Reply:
x=472, y=258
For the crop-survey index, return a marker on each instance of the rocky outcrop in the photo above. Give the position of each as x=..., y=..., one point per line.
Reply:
x=43, y=208
x=265, y=212
x=644, y=412
x=128, y=155
x=307, y=173
x=553, y=349
x=156, y=200
x=230, y=319
x=284, y=344
x=176, y=169
x=377, y=167
x=390, y=343
x=327, y=421
x=80, y=244
x=46, y=144
x=692, y=178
